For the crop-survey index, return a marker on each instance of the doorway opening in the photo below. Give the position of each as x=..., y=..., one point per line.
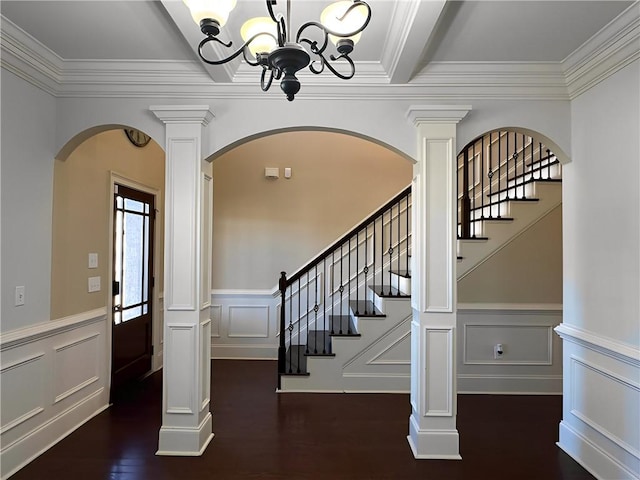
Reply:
x=132, y=287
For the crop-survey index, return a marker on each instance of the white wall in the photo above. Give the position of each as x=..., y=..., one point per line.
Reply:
x=28, y=139
x=601, y=329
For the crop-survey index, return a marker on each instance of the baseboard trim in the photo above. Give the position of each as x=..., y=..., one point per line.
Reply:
x=38, y=441
x=591, y=457
x=185, y=441
x=433, y=444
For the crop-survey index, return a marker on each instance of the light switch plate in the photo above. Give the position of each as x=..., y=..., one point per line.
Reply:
x=94, y=284
x=93, y=260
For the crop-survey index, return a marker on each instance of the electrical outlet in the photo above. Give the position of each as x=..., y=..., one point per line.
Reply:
x=93, y=260
x=94, y=284
x=19, y=296
x=498, y=351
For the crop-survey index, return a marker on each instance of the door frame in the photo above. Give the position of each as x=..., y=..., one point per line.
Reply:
x=157, y=295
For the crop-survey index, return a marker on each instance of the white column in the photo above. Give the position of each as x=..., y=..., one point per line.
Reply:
x=432, y=425
x=186, y=419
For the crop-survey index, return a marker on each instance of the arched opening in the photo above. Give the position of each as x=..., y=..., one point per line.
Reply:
x=85, y=238
x=263, y=226
x=510, y=264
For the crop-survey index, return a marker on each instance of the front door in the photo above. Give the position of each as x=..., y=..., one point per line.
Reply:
x=134, y=216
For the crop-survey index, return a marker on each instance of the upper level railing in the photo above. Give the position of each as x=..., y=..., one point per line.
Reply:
x=500, y=165
x=315, y=299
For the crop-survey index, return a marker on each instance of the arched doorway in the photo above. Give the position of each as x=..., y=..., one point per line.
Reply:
x=84, y=240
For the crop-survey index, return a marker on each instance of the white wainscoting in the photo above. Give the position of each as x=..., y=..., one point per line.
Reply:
x=244, y=324
x=532, y=358
x=54, y=378
x=600, y=425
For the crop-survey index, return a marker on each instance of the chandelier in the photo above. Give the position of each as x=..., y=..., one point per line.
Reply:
x=268, y=43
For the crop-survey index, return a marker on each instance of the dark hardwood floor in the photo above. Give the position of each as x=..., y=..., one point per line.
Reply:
x=263, y=435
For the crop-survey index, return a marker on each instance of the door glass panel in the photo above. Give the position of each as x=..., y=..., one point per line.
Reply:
x=133, y=205
x=131, y=313
x=133, y=259
x=145, y=259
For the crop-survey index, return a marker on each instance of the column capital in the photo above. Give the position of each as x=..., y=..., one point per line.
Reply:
x=199, y=114
x=440, y=114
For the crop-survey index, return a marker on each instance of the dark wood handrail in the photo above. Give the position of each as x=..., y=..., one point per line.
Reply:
x=346, y=237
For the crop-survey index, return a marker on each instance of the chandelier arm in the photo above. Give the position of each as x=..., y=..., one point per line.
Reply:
x=279, y=20
x=322, y=64
x=313, y=43
x=334, y=71
x=265, y=86
x=356, y=4
x=241, y=50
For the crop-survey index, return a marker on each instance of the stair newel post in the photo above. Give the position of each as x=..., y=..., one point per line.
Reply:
x=466, y=201
x=282, y=356
x=548, y=164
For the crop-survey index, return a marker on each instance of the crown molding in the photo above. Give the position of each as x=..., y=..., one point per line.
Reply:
x=29, y=59
x=615, y=46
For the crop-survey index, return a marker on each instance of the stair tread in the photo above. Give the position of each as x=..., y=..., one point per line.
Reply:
x=387, y=291
x=523, y=183
x=318, y=343
x=295, y=358
x=365, y=308
x=342, y=326
x=401, y=273
x=498, y=202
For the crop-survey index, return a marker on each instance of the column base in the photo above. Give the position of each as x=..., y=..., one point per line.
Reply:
x=433, y=444
x=185, y=441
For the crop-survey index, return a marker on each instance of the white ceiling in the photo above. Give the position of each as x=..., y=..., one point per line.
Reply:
x=403, y=38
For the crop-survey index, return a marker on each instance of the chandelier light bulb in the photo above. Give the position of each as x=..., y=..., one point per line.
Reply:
x=331, y=18
x=266, y=30
x=217, y=10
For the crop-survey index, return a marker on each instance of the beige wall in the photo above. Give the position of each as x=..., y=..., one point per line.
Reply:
x=81, y=209
x=263, y=226
x=527, y=270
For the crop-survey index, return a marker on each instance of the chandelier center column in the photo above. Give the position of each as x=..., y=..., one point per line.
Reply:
x=186, y=418
x=432, y=425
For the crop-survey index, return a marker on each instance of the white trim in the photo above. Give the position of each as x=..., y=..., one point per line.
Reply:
x=22, y=336
x=590, y=456
x=606, y=52
x=606, y=346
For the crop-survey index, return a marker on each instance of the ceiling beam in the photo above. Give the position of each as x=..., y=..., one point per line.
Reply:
x=411, y=29
x=180, y=15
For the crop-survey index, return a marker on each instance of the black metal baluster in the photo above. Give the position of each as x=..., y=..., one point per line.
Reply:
x=499, y=170
x=490, y=174
x=315, y=309
x=465, y=207
x=374, y=252
x=524, y=144
x=341, y=288
x=390, y=244
x=333, y=289
x=532, y=153
x=291, y=327
x=299, y=320
x=306, y=312
x=349, y=277
x=473, y=190
x=539, y=167
x=507, y=165
x=382, y=254
x=407, y=245
x=398, y=246
x=357, y=267
x=324, y=300
x=548, y=164
x=365, y=269
x=482, y=178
